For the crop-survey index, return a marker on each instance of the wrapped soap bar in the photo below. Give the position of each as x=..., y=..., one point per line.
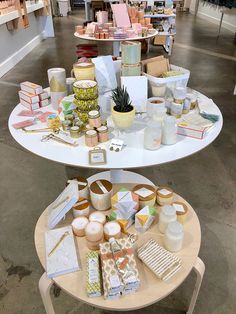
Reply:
x=93, y=286
x=124, y=223
x=126, y=202
x=31, y=88
x=144, y=218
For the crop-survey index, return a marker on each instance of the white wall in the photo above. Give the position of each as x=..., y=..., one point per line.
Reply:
x=213, y=14
x=17, y=43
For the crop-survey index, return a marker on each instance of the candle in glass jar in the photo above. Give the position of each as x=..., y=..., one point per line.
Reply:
x=152, y=136
x=94, y=118
x=169, y=131
x=91, y=138
x=174, y=235
x=103, y=134
x=167, y=215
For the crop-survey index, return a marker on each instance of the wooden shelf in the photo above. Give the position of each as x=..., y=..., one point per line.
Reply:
x=14, y=14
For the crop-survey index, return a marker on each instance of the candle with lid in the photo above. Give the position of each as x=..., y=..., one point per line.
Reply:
x=167, y=215
x=179, y=94
x=112, y=229
x=164, y=195
x=81, y=208
x=91, y=138
x=94, y=118
x=98, y=216
x=176, y=109
x=74, y=131
x=82, y=186
x=181, y=211
x=78, y=226
x=174, y=235
x=100, y=193
x=103, y=135
x=146, y=194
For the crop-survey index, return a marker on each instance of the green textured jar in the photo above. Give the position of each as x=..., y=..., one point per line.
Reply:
x=131, y=70
x=83, y=114
x=85, y=89
x=86, y=105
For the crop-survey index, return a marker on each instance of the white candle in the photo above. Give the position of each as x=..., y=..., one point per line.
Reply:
x=78, y=226
x=112, y=229
x=98, y=216
x=94, y=231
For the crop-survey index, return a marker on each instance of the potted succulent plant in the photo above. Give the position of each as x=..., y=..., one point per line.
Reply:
x=123, y=112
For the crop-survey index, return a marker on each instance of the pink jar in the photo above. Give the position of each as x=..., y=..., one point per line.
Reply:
x=103, y=135
x=94, y=118
x=91, y=138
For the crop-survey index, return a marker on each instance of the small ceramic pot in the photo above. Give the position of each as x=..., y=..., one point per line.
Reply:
x=123, y=120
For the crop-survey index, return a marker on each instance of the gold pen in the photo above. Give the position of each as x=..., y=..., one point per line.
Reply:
x=58, y=243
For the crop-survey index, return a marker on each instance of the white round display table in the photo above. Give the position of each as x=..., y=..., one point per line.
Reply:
x=151, y=289
x=133, y=155
x=116, y=42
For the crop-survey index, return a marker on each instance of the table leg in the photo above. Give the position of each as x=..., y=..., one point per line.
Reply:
x=45, y=284
x=116, y=48
x=199, y=268
x=148, y=45
x=170, y=45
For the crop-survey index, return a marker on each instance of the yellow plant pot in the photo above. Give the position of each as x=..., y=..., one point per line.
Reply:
x=123, y=120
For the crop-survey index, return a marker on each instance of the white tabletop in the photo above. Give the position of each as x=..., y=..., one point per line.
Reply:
x=87, y=37
x=132, y=156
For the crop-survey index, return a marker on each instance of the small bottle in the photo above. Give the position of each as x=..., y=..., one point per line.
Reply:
x=174, y=235
x=152, y=136
x=91, y=138
x=94, y=118
x=103, y=135
x=74, y=131
x=176, y=109
x=179, y=95
x=167, y=215
x=169, y=131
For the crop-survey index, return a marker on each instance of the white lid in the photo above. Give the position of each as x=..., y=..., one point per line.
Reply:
x=93, y=112
x=168, y=210
x=80, y=222
x=175, y=228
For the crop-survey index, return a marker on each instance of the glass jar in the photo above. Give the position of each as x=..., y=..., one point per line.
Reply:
x=91, y=138
x=179, y=95
x=176, y=109
x=94, y=118
x=152, y=136
x=174, y=235
x=74, y=131
x=169, y=131
x=103, y=135
x=167, y=215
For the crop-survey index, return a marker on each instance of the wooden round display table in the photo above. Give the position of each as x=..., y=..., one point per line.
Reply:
x=151, y=288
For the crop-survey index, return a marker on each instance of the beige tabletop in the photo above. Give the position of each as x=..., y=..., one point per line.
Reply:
x=151, y=289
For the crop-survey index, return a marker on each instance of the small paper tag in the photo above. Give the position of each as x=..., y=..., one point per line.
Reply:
x=164, y=191
x=179, y=207
x=114, y=281
x=143, y=192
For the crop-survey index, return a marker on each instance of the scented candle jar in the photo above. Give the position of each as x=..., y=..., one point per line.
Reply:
x=152, y=136
x=78, y=226
x=179, y=95
x=146, y=194
x=169, y=131
x=103, y=135
x=167, y=215
x=193, y=100
x=82, y=186
x=100, y=193
x=81, y=208
x=131, y=52
x=181, y=211
x=112, y=229
x=174, y=236
x=75, y=131
x=186, y=105
x=83, y=71
x=94, y=118
x=158, y=90
x=131, y=69
x=66, y=125
x=156, y=109
x=91, y=138
x=164, y=196
x=176, y=109
x=98, y=216
x=53, y=121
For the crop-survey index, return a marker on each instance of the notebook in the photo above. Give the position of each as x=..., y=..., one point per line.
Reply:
x=61, y=255
x=64, y=202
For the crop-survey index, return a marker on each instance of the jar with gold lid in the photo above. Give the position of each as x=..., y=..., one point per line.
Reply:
x=75, y=131
x=94, y=118
x=103, y=135
x=91, y=138
x=82, y=186
x=146, y=194
x=181, y=211
x=164, y=195
x=81, y=208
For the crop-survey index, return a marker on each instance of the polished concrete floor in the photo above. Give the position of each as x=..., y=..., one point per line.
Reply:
x=207, y=180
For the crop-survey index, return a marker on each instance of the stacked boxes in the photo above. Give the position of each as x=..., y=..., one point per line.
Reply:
x=124, y=207
x=116, y=283
x=131, y=58
x=32, y=96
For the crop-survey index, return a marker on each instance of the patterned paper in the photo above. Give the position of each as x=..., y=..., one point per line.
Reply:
x=93, y=275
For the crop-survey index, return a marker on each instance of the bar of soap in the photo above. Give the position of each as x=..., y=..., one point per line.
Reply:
x=97, y=216
x=94, y=231
x=78, y=225
x=112, y=229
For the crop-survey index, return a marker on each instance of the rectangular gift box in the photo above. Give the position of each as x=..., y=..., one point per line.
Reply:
x=93, y=275
x=31, y=88
x=30, y=98
x=44, y=95
x=44, y=103
x=28, y=105
x=126, y=202
x=124, y=223
x=191, y=130
x=111, y=276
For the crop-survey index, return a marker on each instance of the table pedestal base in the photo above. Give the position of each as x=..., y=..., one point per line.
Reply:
x=120, y=176
x=45, y=285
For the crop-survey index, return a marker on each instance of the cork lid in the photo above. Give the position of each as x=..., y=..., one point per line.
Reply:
x=165, y=192
x=145, y=192
x=82, y=182
x=101, y=186
x=181, y=208
x=81, y=204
